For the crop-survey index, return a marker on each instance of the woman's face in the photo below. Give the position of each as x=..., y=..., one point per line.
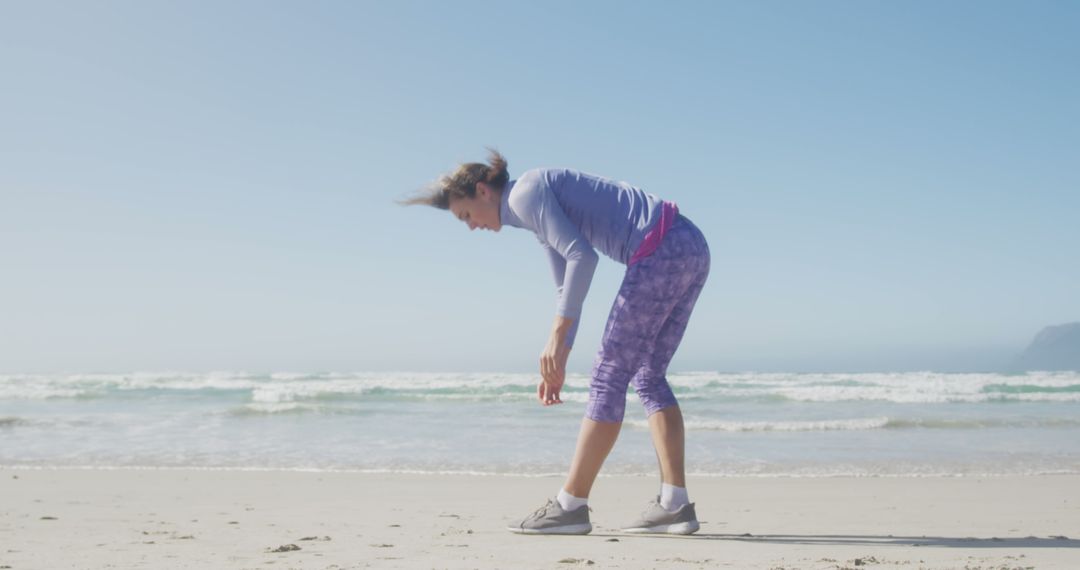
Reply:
x=480, y=211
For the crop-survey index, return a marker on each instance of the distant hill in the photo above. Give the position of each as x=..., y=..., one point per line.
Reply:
x=1054, y=348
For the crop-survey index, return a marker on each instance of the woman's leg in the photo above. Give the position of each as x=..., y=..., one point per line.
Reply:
x=642, y=305
x=643, y=330
x=669, y=440
x=665, y=416
x=688, y=267
x=595, y=441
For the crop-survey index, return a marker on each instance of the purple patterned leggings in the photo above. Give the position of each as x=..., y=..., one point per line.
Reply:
x=646, y=324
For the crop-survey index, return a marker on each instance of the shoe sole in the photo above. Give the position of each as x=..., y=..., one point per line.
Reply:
x=565, y=529
x=677, y=528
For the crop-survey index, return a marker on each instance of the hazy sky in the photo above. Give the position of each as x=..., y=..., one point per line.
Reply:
x=210, y=185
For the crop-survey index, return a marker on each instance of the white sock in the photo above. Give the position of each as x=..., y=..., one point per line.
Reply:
x=569, y=502
x=672, y=497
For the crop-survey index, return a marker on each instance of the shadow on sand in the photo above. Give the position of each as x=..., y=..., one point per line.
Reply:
x=872, y=540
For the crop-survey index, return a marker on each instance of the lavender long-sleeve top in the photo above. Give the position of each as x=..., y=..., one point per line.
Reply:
x=572, y=212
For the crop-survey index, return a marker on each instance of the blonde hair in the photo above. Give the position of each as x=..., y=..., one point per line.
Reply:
x=461, y=183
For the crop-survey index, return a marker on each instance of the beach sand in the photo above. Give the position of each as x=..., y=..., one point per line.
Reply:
x=84, y=518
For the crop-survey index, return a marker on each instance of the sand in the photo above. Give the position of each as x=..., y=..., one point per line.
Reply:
x=76, y=518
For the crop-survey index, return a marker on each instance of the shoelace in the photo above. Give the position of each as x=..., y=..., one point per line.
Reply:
x=541, y=511
x=649, y=507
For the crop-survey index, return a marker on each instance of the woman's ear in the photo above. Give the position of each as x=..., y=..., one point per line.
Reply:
x=483, y=190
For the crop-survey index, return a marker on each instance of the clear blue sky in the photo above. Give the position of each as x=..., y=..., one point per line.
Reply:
x=210, y=185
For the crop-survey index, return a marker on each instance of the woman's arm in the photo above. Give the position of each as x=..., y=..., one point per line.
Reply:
x=571, y=269
x=579, y=267
x=552, y=359
x=553, y=362
x=573, y=262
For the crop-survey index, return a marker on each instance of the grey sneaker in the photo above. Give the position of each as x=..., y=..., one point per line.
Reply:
x=552, y=519
x=658, y=520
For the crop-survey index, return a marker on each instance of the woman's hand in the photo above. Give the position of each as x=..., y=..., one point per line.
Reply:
x=553, y=363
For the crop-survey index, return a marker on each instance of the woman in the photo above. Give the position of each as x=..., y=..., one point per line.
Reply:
x=667, y=262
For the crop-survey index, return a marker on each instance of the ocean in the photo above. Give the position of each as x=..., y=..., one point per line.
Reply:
x=738, y=424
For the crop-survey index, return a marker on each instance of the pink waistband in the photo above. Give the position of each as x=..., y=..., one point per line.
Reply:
x=668, y=212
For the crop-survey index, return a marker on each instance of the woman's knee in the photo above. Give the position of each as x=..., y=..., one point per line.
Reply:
x=655, y=394
x=606, y=406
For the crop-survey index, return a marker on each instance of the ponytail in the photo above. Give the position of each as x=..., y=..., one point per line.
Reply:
x=462, y=182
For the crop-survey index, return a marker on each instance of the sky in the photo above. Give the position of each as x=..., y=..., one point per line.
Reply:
x=885, y=186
